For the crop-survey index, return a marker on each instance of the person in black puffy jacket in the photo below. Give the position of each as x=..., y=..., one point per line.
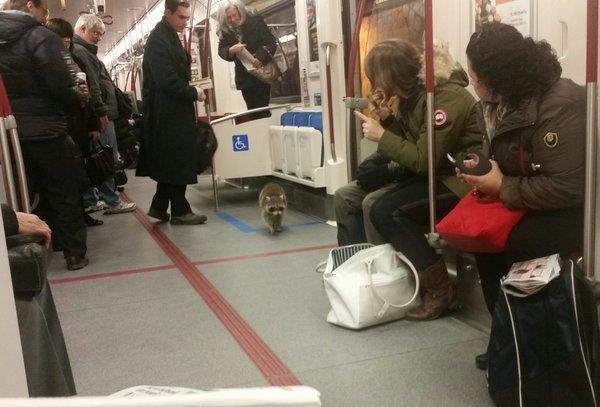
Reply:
x=34, y=66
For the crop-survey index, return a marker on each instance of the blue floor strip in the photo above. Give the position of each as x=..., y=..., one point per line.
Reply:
x=244, y=228
x=235, y=222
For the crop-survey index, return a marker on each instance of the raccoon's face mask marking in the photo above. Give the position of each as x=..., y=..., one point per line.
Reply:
x=275, y=210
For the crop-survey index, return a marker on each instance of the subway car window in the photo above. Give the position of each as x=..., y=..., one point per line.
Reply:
x=386, y=19
x=280, y=17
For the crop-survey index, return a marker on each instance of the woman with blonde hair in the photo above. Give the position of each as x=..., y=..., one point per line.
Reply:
x=389, y=200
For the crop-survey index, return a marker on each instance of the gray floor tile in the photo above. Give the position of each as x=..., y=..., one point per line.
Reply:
x=218, y=238
x=173, y=341
x=441, y=376
x=302, y=337
x=152, y=328
x=120, y=290
x=120, y=244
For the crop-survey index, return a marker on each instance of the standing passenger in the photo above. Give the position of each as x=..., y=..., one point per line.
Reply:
x=169, y=151
x=33, y=63
x=82, y=123
x=239, y=30
x=89, y=30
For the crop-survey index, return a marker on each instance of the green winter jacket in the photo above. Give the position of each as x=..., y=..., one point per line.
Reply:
x=456, y=130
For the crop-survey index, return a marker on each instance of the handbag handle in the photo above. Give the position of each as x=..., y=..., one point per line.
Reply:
x=387, y=304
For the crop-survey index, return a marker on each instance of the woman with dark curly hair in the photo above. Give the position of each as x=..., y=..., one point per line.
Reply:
x=535, y=125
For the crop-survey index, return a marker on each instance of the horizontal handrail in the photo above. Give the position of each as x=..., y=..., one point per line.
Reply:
x=258, y=109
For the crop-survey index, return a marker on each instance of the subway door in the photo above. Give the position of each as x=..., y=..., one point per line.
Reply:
x=329, y=23
x=563, y=24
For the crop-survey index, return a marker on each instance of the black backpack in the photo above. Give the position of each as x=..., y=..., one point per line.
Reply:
x=536, y=355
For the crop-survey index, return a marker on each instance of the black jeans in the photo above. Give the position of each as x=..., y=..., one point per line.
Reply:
x=538, y=234
x=257, y=96
x=175, y=194
x=55, y=171
x=401, y=217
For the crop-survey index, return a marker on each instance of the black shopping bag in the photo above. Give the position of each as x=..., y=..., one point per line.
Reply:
x=99, y=163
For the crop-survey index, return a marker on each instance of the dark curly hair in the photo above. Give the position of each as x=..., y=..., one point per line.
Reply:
x=511, y=66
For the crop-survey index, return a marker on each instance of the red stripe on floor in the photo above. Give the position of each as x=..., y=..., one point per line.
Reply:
x=100, y=276
x=271, y=367
x=109, y=275
x=261, y=255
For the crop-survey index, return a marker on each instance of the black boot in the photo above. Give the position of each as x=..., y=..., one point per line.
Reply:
x=481, y=361
x=76, y=262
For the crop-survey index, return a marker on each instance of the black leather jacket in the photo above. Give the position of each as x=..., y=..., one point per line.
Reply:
x=33, y=65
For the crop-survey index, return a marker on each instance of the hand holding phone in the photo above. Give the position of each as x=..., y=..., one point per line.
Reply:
x=473, y=164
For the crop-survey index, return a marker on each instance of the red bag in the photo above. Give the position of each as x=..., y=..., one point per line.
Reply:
x=478, y=226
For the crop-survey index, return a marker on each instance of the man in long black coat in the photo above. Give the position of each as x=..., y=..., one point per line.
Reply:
x=169, y=152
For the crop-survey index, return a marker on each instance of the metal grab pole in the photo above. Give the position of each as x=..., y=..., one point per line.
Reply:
x=9, y=183
x=429, y=87
x=9, y=180
x=329, y=99
x=205, y=63
x=351, y=143
x=354, y=49
x=589, y=224
x=11, y=126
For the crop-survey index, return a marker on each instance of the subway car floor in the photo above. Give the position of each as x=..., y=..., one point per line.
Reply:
x=226, y=304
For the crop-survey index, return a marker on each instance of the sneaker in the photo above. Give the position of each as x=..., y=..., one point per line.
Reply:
x=98, y=206
x=121, y=207
x=160, y=215
x=76, y=262
x=188, y=219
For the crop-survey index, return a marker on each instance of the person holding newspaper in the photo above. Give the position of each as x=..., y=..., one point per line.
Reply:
x=245, y=39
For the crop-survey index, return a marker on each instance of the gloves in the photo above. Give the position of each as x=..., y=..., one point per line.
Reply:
x=376, y=171
x=373, y=177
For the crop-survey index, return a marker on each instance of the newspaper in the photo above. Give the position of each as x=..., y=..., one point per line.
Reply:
x=140, y=391
x=528, y=277
x=246, y=59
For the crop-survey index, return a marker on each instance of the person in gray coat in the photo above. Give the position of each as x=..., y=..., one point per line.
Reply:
x=89, y=30
x=170, y=150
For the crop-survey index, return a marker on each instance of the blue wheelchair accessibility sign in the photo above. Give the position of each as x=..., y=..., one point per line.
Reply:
x=240, y=142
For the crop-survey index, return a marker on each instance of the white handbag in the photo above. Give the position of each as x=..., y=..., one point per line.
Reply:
x=369, y=285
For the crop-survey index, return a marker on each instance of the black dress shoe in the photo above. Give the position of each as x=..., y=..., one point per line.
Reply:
x=481, y=361
x=160, y=215
x=188, y=219
x=76, y=262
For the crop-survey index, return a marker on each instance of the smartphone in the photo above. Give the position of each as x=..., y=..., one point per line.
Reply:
x=452, y=160
x=482, y=167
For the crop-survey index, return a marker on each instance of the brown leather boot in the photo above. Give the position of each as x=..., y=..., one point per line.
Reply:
x=439, y=293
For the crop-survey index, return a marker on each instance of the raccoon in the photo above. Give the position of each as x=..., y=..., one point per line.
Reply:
x=272, y=204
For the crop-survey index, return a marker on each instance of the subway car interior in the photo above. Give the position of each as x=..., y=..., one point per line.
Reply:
x=256, y=287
